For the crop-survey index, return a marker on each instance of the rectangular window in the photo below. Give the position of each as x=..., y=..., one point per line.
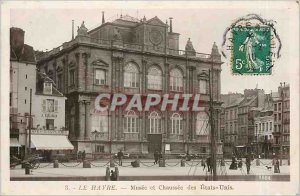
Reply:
x=154, y=82
x=131, y=79
x=279, y=116
x=50, y=124
x=47, y=88
x=100, y=123
x=50, y=105
x=275, y=117
x=270, y=126
x=279, y=106
x=203, y=149
x=275, y=107
x=25, y=88
x=203, y=86
x=72, y=77
x=99, y=148
x=100, y=77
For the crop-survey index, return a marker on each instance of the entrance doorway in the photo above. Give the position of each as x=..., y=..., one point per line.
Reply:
x=154, y=142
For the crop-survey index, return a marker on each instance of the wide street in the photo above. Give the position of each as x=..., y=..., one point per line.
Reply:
x=148, y=171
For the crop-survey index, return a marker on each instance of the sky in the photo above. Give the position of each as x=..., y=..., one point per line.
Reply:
x=48, y=28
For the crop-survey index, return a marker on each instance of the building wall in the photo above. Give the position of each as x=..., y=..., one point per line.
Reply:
x=41, y=115
x=22, y=79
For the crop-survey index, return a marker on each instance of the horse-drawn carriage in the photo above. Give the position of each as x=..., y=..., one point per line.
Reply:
x=32, y=161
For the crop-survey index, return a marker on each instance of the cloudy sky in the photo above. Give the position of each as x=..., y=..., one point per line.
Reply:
x=46, y=28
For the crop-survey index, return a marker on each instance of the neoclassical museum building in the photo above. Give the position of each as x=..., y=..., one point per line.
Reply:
x=133, y=56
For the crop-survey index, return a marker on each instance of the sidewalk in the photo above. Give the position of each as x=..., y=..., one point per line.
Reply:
x=192, y=168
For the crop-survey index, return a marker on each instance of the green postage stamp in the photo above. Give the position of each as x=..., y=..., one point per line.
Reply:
x=252, y=45
x=251, y=50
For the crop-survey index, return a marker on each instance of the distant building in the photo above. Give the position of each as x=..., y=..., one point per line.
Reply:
x=281, y=114
x=22, y=79
x=230, y=122
x=247, y=109
x=264, y=122
x=134, y=57
x=47, y=110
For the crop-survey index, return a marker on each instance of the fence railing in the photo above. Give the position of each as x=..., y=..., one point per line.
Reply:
x=128, y=46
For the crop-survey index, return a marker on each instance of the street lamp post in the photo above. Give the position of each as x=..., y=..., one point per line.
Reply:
x=95, y=134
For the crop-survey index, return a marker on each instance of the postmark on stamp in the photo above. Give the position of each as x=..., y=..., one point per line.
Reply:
x=251, y=45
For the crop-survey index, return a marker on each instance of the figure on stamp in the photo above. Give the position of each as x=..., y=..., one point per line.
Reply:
x=248, y=46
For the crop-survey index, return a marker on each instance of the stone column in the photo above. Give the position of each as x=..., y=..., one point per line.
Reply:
x=144, y=76
x=166, y=79
x=66, y=74
x=88, y=120
x=81, y=121
x=85, y=67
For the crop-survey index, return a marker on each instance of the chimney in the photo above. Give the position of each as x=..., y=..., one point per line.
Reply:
x=171, y=25
x=103, y=20
x=280, y=83
x=72, y=29
x=17, y=40
x=284, y=84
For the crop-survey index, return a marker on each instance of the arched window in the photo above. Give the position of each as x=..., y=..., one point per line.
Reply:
x=130, y=123
x=131, y=76
x=155, y=122
x=176, y=80
x=176, y=124
x=202, y=126
x=100, y=122
x=154, y=78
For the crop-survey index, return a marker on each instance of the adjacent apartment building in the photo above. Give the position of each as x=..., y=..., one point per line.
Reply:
x=263, y=123
x=134, y=56
x=33, y=93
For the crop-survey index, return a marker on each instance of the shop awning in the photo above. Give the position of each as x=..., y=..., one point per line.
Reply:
x=14, y=142
x=51, y=142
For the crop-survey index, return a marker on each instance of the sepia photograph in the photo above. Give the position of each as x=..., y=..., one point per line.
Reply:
x=185, y=98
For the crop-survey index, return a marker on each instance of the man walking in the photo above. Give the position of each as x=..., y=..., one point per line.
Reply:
x=83, y=155
x=208, y=163
x=248, y=163
x=120, y=157
x=156, y=157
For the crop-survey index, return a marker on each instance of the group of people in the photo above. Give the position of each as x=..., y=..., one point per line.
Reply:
x=81, y=156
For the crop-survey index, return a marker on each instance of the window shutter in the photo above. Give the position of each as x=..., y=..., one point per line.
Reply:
x=55, y=105
x=44, y=105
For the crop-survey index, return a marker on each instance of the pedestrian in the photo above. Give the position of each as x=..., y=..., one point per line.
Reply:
x=233, y=164
x=120, y=157
x=156, y=157
x=188, y=157
x=83, y=155
x=208, y=163
x=79, y=156
x=203, y=164
x=113, y=176
x=248, y=163
x=160, y=156
x=277, y=166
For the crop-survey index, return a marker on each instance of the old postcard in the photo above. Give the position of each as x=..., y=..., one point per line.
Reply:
x=149, y=98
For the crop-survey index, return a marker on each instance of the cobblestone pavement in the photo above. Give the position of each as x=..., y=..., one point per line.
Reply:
x=147, y=168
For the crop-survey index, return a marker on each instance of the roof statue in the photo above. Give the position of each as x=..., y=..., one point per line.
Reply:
x=82, y=30
x=189, y=48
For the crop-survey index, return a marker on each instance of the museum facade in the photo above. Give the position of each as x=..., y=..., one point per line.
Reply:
x=131, y=56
